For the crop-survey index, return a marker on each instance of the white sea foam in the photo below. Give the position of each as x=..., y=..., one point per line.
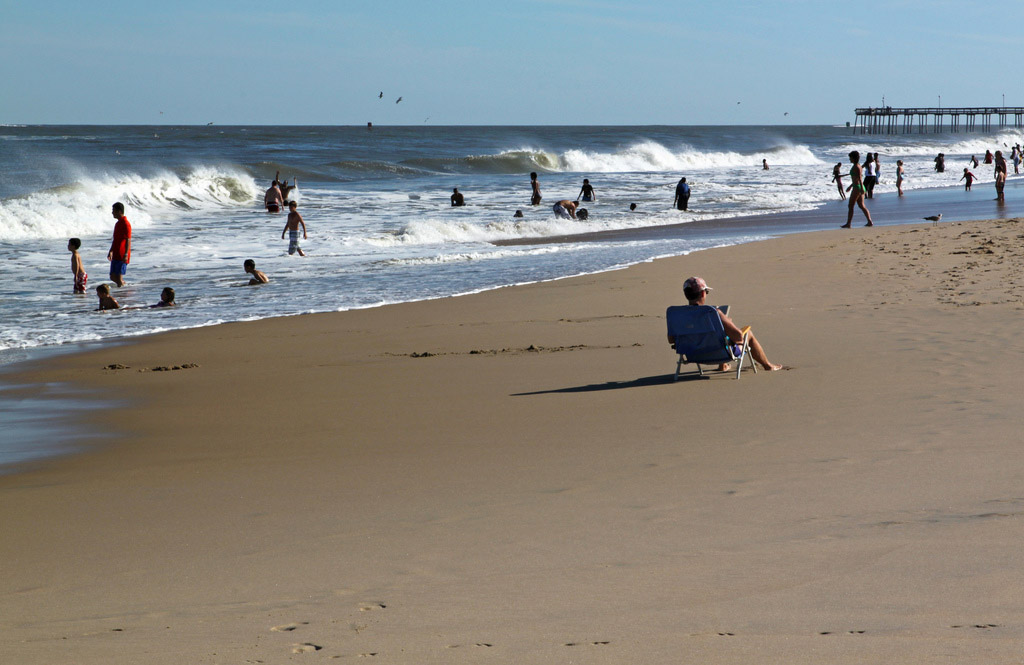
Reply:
x=929, y=145
x=641, y=157
x=83, y=207
x=652, y=156
x=463, y=257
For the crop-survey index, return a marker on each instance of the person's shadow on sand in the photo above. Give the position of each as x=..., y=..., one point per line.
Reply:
x=642, y=382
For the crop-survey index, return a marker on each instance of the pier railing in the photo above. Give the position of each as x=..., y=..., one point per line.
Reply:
x=892, y=120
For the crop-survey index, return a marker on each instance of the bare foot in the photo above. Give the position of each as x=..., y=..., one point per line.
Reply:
x=724, y=367
x=770, y=367
x=869, y=224
x=845, y=226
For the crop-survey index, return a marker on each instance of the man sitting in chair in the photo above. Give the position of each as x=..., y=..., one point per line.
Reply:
x=696, y=291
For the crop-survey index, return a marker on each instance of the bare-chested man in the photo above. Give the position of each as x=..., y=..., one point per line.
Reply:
x=535, y=187
x=286, y=189
x=273, y=199
x=565, y=209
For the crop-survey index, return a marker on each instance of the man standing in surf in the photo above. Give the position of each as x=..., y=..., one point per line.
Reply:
x=121, y=248
x=273, y=199
x=535, y=186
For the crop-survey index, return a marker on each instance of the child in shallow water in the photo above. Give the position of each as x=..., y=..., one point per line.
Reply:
x=77, y=269
x=257, y=275
x=106, y=300
x=969, y=177
x=166, y=298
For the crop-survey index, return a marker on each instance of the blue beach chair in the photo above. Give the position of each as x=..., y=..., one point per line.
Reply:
x=700, y=339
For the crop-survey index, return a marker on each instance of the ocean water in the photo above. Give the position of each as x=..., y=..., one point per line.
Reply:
x=376, y=206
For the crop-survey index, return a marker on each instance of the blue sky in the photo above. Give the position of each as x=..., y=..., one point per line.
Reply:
x=517, y=62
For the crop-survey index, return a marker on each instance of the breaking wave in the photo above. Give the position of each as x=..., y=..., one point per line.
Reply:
x=643, y=157
x=82, y=208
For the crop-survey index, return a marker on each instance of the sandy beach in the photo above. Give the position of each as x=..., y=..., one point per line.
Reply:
x=513, y=477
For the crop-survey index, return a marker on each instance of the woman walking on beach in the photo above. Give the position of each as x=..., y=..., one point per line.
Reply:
x=857, y=191
x=899, y=176
x=1000, y=175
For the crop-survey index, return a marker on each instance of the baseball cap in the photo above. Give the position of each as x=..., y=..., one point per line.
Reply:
x=695, y=284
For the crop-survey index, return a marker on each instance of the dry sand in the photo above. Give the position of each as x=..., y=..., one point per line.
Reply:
x=537, y=490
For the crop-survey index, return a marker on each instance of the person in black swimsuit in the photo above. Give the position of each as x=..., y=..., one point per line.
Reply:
x=586, y=191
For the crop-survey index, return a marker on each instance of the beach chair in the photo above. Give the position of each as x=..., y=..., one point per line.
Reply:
x=700, y=339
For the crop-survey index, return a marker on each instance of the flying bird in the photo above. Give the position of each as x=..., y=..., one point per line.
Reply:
x=398, y=100
x=786, y=113
x=381, y=95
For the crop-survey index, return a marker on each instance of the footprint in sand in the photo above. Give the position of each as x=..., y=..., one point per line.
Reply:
x=288, y=627
x=305, y=647
x=370, y=606
x=369, y=654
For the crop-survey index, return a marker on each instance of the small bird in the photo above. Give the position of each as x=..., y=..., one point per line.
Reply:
x=934, y=218
x=381, y=95
x=398, y=100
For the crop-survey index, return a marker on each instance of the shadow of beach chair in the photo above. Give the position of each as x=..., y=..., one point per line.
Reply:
x=700, y=339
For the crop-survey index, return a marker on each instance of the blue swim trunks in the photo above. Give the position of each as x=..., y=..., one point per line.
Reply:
x=118, y=268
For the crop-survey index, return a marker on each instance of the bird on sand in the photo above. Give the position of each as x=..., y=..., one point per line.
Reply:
x=398, y=100
x=934, y=218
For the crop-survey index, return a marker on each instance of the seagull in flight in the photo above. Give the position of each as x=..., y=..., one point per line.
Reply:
x=381, y=95
x=398, y=100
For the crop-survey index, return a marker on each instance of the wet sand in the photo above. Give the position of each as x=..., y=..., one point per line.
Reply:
x=513, y=477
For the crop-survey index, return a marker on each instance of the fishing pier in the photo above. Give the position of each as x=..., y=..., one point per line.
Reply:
x=892, y=120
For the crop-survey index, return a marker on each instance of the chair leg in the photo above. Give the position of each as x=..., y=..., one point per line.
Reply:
x=679, y=364
x=745, y=355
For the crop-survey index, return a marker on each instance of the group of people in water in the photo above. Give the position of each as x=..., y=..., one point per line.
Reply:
x=119, y=256
x=864, y=177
